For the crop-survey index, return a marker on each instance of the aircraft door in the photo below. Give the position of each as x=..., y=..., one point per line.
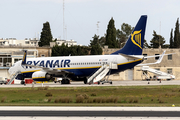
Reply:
x=115, y=60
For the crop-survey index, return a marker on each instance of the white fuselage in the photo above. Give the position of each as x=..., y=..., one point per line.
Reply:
x=75, y=64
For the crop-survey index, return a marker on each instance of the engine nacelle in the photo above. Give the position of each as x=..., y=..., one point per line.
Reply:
x=41, y=76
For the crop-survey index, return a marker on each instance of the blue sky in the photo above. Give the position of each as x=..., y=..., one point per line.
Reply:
x=24, y=18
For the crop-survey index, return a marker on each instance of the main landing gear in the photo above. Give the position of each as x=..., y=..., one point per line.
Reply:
x=85, y=81
x=65, y=81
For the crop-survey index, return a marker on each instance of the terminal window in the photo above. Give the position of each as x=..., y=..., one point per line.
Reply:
x=156, y=58
x=145, y=55
x=157, y=68
x=169, y=57
x=169, y=70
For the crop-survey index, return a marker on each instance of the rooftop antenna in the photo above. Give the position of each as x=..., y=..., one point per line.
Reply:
x=65, y=32
x=63, y=19
x=160, y=28
x=97, y=27
x=159, y=32
x=38, y=36
x=63, y=22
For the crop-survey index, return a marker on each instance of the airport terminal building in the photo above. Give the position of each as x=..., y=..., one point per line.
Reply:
x=11, y=51
x=11, y=54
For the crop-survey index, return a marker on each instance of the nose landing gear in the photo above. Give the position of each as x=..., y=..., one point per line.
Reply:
x=23, y=82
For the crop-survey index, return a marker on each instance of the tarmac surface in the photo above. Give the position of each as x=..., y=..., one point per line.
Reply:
x=115, y=83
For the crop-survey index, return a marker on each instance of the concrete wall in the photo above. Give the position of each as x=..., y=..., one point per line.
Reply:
x=46, y=51
x=4, y=73
x=16, y=53
x=119, y=76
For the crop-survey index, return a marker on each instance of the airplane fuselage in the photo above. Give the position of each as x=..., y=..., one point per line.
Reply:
x=81, y=66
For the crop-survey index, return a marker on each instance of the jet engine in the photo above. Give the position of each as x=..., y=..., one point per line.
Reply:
x=41, y=76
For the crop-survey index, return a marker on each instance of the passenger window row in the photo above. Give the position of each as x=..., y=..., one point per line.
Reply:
x=88, y=63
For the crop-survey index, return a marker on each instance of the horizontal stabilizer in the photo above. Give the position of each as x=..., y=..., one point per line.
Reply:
x=131, y=57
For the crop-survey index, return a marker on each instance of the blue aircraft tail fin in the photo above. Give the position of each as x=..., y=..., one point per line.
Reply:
x=134, y=44
x=24, y=58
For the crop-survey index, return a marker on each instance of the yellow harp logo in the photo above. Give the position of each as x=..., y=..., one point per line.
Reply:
x=136, y=38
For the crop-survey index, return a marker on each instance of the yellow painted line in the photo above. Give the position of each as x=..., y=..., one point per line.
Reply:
x=79, y=68
x=130, y=62
x=30, y=71
x=37, y=77
x=41, y=81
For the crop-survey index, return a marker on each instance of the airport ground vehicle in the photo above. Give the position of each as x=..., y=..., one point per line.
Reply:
x=57, y=80
x=3, y=80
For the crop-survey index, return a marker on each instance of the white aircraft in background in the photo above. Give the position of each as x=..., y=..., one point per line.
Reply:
x=91, y=68
x=157, y=73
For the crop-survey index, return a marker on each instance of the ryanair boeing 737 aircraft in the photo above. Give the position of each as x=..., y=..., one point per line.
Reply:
x=91, y=68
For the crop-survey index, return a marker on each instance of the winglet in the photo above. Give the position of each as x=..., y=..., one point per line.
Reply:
x=157, y=62
x=160, y=58
x=24, y=58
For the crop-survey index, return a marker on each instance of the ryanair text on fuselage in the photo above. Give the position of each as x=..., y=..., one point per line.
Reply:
x=49, y=63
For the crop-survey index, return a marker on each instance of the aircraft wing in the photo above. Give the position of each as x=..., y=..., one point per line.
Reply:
x=56, y=71
x=48, y=70
x=158, y=61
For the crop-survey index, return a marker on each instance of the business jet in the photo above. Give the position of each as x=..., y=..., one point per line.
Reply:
x=90, y=68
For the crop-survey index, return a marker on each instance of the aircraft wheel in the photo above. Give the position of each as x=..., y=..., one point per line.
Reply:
x=85, y=81
x=98, y=83
x=65, y=81
x=22, y=82
x=110, y=82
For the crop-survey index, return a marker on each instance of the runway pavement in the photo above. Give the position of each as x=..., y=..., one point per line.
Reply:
x=115, y=83
x=99, y=113
x=92, y=113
